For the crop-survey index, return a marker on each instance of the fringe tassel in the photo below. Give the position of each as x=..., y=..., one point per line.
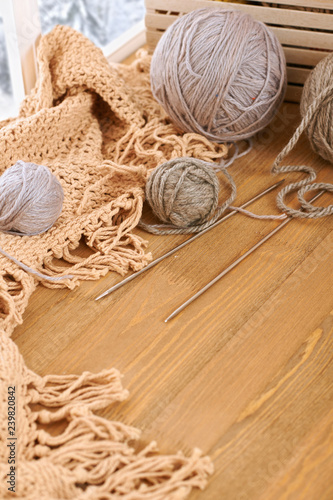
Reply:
x=15, y=290
x=121, y=475
x=109, y=235
x=93, y=458
x=119, y=259
x=83, y=392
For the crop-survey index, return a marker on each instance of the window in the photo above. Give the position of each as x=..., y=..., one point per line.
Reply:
x=114, y=25
x=7, y=102
x=100, y=20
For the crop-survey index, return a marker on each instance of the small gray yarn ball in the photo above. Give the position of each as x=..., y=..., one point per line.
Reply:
x=220, y=73
x=31, y=199
x=183, y=192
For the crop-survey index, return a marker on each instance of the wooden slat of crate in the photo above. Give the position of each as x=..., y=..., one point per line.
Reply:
x=297, y=75
x=298, y=31
x=295, y=55
x=287, y=36
x=304, y=38
x=293, y=93
x=308, y=57
x=304, y=4
x=269, y=15
x=310, y=4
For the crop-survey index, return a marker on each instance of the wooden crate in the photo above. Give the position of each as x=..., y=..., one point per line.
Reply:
x=304, y=28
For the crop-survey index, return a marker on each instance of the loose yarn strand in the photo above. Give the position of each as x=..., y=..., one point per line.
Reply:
x=256, y=216
x=236, y=154
x=33, y=271
x=307, y=209
x=226, y=164
x=249, y=142
x=313, y=108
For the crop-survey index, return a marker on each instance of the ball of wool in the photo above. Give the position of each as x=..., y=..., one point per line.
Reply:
x=220, y=73
x=318, y=88
x=183, y=192
x=31, y=198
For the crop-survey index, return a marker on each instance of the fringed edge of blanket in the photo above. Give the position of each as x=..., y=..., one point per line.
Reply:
x=92, y=458
x=108, y=234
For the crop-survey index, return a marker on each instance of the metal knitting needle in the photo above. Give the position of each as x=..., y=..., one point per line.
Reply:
x=189, y=240
x=235, y=263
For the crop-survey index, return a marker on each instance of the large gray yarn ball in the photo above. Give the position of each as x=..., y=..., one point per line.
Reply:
x=220, y=73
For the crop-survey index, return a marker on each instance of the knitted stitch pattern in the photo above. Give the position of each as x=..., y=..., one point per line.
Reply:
x=99, y=130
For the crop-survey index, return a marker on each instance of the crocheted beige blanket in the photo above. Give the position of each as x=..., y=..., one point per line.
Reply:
x=99, y=130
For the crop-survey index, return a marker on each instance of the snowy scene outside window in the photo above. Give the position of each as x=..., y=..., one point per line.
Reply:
x=100, y=20
x=6, y=93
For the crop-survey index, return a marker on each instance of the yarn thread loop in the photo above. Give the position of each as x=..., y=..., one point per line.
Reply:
x=317, y=122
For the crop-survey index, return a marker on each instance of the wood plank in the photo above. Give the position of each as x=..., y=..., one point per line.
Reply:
x=307, y=39
x=271, y=15
x=315, y=4
x=297, y=75
x=293, y=93
x=304, y=57
x=270, y=430
x=287, y=36
x=304, y=38
x=318, y=478
x=152, y=38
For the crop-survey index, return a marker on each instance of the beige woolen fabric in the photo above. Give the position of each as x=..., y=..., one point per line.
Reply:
x=100, y=132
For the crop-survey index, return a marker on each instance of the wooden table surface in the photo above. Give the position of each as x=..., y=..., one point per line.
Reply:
x=245, y=372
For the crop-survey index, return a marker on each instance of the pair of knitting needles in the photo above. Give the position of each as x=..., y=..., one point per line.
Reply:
x=236, y=262
x=192, y=238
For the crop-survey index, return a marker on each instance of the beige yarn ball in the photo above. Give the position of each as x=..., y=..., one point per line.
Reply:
x=220, y=73
x=183, y=192
x=31, y=199
x=320, y=127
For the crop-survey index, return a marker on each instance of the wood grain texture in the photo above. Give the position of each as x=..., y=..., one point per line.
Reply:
x=245, y=372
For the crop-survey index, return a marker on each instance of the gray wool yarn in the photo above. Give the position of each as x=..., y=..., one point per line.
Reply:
x=31, y=199
x=183, y=193
x=220, y=73
x=319, y=129
x=317, y=122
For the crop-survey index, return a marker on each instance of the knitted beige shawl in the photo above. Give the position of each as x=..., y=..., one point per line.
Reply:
x=100, y=132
